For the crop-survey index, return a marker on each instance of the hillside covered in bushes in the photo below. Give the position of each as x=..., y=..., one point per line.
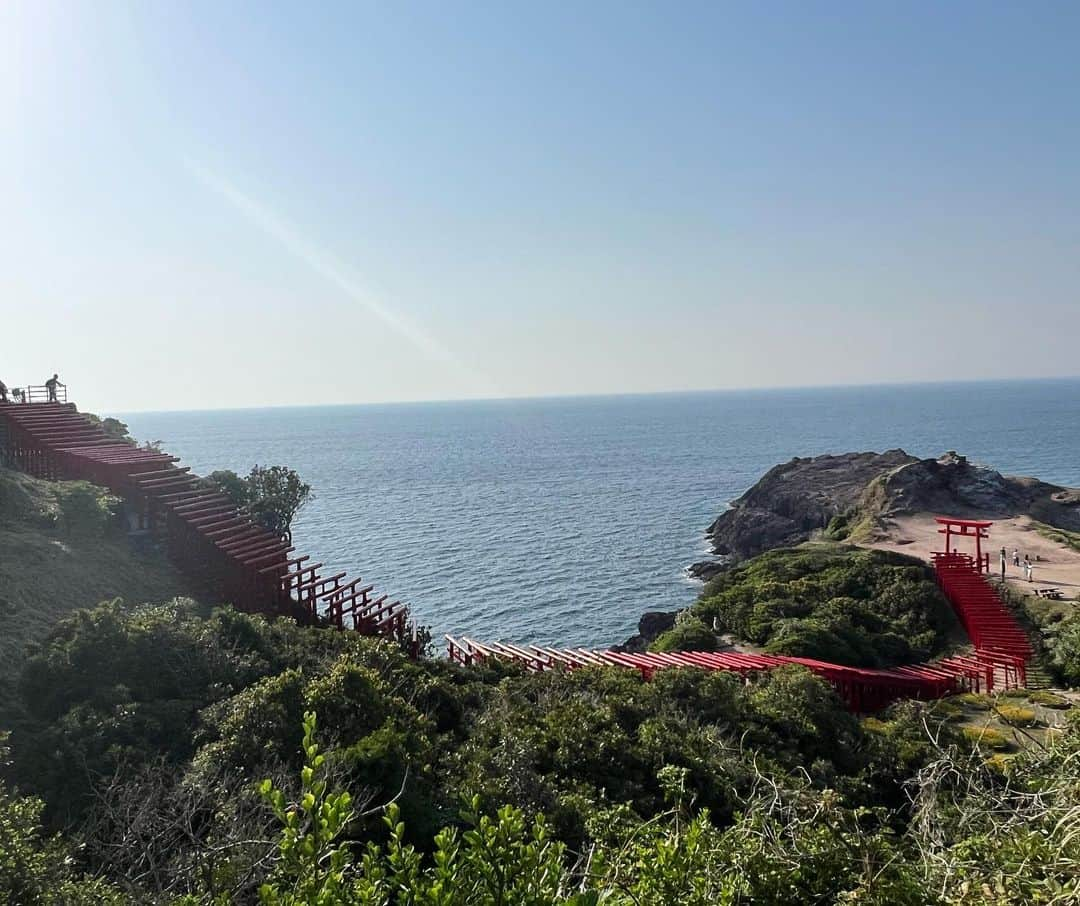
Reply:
x=843, y=604
x=169, y=747
x=63, y=546
x=174, y=753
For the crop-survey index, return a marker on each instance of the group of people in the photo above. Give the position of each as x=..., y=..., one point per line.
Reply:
x=18, y=395
x=1028, y=566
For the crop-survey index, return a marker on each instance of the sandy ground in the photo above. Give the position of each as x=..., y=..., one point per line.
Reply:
x=1059, y=566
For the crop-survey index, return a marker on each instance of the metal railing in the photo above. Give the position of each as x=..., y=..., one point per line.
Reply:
x=37, y=394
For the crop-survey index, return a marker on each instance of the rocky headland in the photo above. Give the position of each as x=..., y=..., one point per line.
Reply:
x=855, y=497
x=861, y=498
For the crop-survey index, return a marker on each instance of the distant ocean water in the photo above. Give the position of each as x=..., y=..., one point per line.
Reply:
x=563, y=520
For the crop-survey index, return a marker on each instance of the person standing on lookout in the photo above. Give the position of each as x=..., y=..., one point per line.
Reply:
x=1004, y=563
x=51, y=384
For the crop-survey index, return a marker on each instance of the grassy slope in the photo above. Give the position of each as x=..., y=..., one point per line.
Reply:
x=46, y=572
x=1057, y=535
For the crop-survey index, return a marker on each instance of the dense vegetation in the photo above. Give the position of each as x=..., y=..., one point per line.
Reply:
x=145, y=737
x=65, y=545
x=227, y=693
x=1054, y=625
x=843, y=604
x=62, y=546
x=170, y=753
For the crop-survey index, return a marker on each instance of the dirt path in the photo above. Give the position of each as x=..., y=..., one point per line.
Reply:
x=1057, y=566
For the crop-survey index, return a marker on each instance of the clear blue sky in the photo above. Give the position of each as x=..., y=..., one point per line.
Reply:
x=226, y=204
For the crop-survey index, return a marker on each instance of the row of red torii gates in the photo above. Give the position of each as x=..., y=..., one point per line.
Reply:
x=207, y=536
x=203, y=531
x=1001, y=648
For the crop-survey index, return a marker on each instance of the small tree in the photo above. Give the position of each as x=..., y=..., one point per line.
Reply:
x=86, y=510
x=232, y=485
x=275, y=495
x=113, y=427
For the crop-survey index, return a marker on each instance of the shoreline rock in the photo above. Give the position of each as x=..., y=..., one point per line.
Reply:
x=652, y=624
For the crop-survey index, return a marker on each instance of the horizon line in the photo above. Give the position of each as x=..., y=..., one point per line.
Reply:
x=622, y=394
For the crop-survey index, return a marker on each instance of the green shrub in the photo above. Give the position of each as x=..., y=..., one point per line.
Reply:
x=113, y=427
x=686, y=635
x=272, y=494
x=229, y=483
x=1016, y=715
x=947, y=708
x=1049, y=700
x=1065, y=650
x=987, y=737
x=36, y=869
x=874, y=725
x=85, y=509
x=499, y=859
x=839, y=528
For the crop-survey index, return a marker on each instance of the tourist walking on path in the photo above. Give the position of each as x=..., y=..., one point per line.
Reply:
x=1016, y=556
x=51, y=384
x=1027, y=567
x=1004, y=563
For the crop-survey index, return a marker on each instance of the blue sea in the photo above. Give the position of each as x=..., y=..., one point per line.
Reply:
x=563, y=520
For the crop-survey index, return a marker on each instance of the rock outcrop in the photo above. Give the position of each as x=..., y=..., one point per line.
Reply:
x=791, y=502
x=958, y=487
x=652, y=624
x=855, y=494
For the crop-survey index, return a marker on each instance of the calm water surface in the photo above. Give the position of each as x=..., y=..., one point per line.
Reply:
x=563, y=520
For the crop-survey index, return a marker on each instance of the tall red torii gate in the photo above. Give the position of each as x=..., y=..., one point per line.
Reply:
x=979, y=529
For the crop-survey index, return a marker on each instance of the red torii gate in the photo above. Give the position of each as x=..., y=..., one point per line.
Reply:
x=967, y=528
